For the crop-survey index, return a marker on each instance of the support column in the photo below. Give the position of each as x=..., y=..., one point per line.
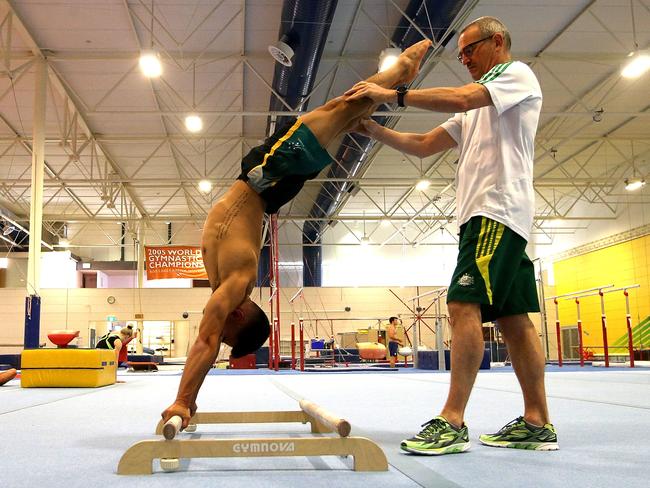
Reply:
x=38, y=170
x=140, y=256
x=275, y=263
x=440, y=343
x=140, y=251
x=33, y=300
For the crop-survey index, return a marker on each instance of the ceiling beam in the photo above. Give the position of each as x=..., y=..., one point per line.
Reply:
x=57, y=82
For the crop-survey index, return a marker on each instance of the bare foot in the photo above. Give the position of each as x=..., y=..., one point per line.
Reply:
x=405, y=69
x=411, y=58
x=8, y=375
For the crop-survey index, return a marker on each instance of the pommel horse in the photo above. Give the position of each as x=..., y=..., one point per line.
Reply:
x=368, y=456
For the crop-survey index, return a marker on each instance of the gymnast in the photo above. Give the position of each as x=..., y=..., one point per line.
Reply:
x=272, y=174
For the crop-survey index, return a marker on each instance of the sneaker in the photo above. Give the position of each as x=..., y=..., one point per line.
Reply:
x=519, y=434
x=437, y=437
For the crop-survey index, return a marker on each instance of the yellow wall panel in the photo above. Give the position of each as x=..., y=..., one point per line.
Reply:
x=622, y=264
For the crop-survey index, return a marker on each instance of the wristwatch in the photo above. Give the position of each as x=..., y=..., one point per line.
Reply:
x=401, y=93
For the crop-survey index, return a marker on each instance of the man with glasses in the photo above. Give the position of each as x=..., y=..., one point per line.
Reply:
x=494, y=130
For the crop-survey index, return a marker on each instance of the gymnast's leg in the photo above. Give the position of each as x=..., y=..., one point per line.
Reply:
x=340, y=115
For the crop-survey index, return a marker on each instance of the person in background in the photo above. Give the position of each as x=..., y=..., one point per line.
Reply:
x=123, y=356
x=394, y=342
x=116, y=340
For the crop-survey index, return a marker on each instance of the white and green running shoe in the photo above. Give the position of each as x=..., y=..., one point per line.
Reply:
x=519, y=434
x=438, y=437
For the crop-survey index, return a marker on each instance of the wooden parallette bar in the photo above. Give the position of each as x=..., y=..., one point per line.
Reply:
x=253, y=418
x=171, y=427
x=138, y=459
x=367, y=455
x=340, y=426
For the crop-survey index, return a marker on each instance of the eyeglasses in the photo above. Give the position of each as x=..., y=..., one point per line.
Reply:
x=468, y=50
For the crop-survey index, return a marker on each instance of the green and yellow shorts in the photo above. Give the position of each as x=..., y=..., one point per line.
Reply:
x=493, y=270
x=278, y=168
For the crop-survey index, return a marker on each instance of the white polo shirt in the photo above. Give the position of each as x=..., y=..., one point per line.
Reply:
x=494, y=177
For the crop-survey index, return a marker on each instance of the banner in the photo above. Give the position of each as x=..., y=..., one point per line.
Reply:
x=164, y=262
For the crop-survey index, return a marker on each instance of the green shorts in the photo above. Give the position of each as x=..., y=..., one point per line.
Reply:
x=493, y=270
x=278, y=168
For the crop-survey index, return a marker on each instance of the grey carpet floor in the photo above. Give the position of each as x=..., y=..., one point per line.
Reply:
x=75, y=437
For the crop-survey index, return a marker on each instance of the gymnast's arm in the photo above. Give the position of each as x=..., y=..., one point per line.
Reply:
x=117, y=345
x=203, y=353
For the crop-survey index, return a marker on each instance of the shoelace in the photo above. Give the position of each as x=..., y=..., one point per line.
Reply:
x=510, y=425
x=432, y=426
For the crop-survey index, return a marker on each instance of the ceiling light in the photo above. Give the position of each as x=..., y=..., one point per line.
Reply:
x=193, y=123
x=634, y=184
x=205, y=186
x=365, y=240
x=4, y=263
x=422, y=185
x=63, y=242
x=639, y=64
x=8, y=229
x=150, y=64
x=385, y=222
x=388, y=57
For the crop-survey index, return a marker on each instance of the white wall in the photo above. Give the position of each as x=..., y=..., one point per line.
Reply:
x=58, y=270
x=376, y=266
x=322, y=309
x=122, y=279
x=397, y=263
x=16, y=272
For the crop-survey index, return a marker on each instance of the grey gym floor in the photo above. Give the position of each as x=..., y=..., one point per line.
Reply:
x=74, y=437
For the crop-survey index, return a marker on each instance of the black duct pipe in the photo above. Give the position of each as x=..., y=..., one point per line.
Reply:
x=433, y=17
x=305, y=25
x=264, y=266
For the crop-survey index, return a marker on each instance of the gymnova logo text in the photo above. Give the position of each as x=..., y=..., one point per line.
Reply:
x=257, y=447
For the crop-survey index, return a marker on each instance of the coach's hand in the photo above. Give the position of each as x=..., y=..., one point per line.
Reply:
x=366, y=89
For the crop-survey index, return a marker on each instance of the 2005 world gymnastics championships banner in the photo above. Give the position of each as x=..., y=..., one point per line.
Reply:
x=164, y=262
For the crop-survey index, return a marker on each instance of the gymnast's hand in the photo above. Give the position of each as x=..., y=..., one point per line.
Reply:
x=366, y=89
x=178, y=409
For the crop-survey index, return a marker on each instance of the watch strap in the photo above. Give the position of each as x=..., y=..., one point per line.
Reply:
x=401, y=92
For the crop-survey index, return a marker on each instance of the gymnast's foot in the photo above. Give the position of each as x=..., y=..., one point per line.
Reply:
x=8, y=375
x=404, y=71
x=409, y=61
